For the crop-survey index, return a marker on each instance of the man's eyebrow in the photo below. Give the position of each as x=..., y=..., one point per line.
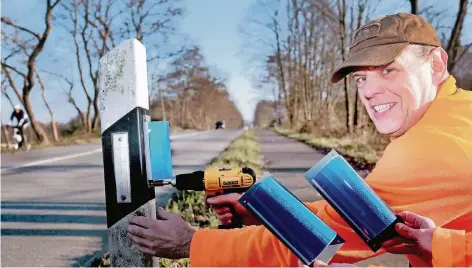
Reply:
x=357, y=74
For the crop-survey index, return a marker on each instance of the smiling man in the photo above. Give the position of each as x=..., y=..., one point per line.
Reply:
x=401, y=74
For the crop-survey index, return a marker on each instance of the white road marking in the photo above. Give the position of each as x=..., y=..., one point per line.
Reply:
x=55, y=159
x=50, y=160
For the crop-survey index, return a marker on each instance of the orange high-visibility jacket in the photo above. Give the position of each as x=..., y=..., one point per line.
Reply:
x=452, y=248
x=428, y=171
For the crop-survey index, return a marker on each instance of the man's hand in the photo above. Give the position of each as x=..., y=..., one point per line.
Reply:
x=167, y=237
x=415, y=237
x=319, y=263
x=221, y=203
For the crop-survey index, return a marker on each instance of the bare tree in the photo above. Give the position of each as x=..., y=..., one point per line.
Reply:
x=79, y=30
x=32, y=50
x=70, y=98
x=51, y=114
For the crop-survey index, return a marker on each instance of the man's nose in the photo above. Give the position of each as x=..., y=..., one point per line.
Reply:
x=372, y=87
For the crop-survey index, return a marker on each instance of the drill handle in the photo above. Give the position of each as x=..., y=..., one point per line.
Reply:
x=236, y=221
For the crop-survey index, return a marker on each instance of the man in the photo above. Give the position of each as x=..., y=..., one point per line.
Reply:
x=402, y=79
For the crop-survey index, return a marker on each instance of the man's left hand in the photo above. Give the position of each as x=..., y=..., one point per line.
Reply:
x=167, y=237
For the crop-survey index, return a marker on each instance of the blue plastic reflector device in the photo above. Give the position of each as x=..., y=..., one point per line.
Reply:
x=340, y=185
x=291, y=221
x=159, y=146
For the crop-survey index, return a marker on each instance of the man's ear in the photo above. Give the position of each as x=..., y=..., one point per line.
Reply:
x=439, y=65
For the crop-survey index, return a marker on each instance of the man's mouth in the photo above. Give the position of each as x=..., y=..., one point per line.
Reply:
x=383, y=107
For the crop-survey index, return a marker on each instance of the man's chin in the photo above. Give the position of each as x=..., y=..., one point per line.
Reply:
x=386, y=130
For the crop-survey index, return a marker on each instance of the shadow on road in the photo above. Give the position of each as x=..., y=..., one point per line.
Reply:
x=52, y=232
x=53, y=218
x=23, y=214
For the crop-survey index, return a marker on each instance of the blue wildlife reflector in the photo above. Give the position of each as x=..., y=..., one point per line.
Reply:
x=340, y=185
x=293, y=223
x=159, y=147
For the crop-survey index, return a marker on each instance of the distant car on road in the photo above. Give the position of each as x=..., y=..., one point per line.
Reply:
x=220, y=125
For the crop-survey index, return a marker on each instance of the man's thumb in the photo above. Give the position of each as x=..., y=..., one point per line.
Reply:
x=225, y=199
x=407, y=232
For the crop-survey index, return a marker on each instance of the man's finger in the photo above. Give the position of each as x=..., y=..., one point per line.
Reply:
x=141, y=221
x=224, y=199
x=221, y=210
x=137, y=231
x=319, y=263
x=407, y=232
x=146, y=250
x=140, y=241
x=394, y=241
x=403, y=249
x=226, y=217
x=162, y=214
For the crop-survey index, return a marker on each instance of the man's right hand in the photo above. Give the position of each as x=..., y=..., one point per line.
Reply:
x=221, y=205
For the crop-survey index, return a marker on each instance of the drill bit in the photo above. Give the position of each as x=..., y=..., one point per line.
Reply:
x=162, y=182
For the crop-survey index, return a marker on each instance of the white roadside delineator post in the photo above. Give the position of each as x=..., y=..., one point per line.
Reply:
x=124, y=116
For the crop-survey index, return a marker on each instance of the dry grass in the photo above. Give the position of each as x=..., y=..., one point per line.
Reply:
x=355, y=148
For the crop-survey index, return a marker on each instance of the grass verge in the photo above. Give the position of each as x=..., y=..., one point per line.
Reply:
x=243, y=151
x=361, y=154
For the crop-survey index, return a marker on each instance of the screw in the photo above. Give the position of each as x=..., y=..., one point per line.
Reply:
x=119, y=139
x=123, y=197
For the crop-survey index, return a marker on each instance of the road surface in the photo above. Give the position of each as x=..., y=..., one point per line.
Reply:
x=53, y=199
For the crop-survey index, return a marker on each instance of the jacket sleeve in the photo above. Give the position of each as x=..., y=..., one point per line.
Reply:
x=404, y=178
x=451, y=248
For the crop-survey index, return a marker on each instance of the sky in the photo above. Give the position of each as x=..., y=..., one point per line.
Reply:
x=211, y=24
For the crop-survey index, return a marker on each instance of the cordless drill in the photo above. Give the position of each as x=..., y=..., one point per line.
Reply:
x=214, y=182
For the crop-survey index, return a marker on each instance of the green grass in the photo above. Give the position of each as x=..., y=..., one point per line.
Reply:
x=244, y=151
x=362, y=154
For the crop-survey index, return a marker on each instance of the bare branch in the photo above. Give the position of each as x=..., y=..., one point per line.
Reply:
x=12, y=84
x=8, y=21
x=4, y=64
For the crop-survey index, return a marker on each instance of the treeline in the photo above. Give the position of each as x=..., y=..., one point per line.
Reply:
x=189, y=96
x=88, y=29
x=305, y=40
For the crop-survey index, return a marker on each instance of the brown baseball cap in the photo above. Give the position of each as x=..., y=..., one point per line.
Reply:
x=380, y=41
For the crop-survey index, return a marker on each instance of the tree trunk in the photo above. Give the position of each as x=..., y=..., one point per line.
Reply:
x=162, y=102
x=454, y=41
x=38, y=130
x=342, y=35
x=6, y=134
x=96, y=116
x=53, y=122
x=414, y=7
x=43, y=94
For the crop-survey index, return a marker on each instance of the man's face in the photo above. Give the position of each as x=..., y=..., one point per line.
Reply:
x=397, y=95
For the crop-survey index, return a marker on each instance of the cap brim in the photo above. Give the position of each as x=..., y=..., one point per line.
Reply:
x=371, y=56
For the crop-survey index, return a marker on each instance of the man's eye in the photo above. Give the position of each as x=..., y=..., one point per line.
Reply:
x=387, y=71
x=360, y=80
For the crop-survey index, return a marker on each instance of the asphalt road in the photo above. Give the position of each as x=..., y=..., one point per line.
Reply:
x=53, y=199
